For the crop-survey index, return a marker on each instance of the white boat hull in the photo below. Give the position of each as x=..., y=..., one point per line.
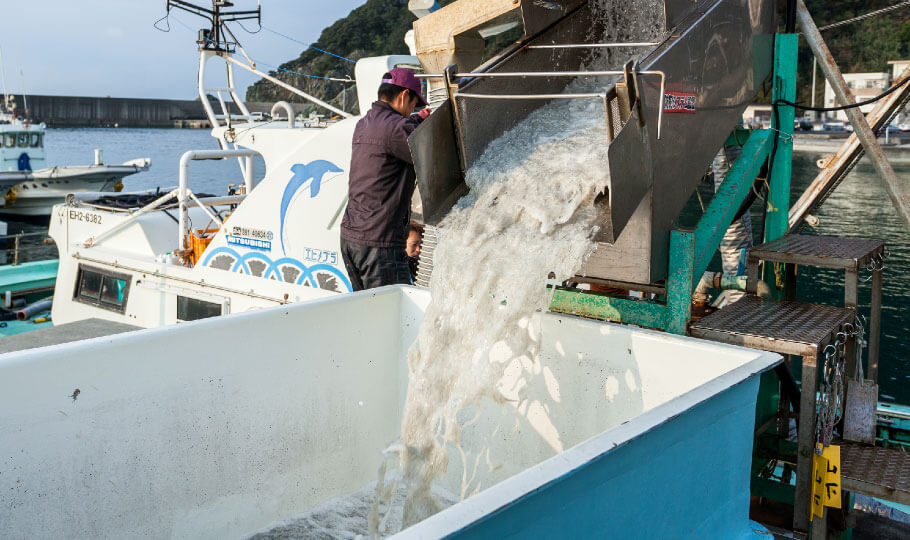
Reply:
x=219, y=428
x=34, y=193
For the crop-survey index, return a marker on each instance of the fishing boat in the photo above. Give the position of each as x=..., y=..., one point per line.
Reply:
x=638, y=418
x=30, y=188
x=177, y=257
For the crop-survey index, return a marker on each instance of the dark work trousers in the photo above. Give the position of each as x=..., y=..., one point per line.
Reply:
x=369, y=267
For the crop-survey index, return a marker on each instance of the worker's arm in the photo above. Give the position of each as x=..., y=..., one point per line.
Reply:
x=398, y=142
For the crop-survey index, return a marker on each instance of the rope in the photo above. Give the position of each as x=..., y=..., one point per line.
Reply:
x=315, y=48
x=905, y=3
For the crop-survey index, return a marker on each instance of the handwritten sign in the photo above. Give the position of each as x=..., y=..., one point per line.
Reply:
x=825, y=481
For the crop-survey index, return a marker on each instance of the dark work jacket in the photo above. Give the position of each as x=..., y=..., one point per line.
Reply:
x=381, y=179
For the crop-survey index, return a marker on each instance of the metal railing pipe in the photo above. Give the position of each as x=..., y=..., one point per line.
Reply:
x=287, y=108
x=248, y=174
x=182, y=187
x=92, y=240
x=899, y=197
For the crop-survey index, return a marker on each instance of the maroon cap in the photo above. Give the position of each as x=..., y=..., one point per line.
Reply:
x=405, y=78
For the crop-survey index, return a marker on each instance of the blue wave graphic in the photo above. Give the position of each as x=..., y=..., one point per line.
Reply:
x=306, y=272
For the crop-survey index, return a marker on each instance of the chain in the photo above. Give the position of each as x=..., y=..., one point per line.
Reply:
x=829, y=398
x=859, y=337
x=829, y=404
x=876, y=264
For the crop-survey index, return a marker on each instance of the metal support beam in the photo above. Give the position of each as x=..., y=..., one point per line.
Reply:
x=896, y=191
x=781, y=166
x=609, y=308
x=785, y=47
x=720, y=212
x=681, y=281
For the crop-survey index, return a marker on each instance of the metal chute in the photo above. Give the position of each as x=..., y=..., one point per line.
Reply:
x=671, y=95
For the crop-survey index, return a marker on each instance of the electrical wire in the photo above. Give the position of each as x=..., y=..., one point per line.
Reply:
x=750, y=198
x=165, y=19
x=249, y=31
x=881, y=96
x=334, y=79
x=308, y=45
x=866, y=16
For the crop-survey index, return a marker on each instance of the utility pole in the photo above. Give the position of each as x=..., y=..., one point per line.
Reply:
x=814, y=70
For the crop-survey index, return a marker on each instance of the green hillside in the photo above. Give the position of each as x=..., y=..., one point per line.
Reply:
x=378, y=27
x=373, y=29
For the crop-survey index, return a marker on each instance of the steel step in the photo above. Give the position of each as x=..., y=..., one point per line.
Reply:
x=822, y=251
x=779, y=326
x=875, y=471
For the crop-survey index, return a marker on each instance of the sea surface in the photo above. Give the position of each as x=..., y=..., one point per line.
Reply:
x=860, y=207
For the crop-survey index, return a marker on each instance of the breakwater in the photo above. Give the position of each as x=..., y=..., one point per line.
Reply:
x=78, y=111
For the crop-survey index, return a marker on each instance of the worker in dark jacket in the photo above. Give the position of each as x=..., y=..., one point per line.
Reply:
x=375, y=227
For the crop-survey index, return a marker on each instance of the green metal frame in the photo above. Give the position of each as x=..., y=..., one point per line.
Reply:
x=784, y=87
x=690, y=254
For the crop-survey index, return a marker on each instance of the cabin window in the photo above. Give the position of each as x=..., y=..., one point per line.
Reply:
x=23, y=140
x=102, y=288
x=36, y=140
x=9, y=140
x=191, y=309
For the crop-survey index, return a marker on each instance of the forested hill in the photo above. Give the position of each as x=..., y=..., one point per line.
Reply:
x=378, y=28
x=374, y=29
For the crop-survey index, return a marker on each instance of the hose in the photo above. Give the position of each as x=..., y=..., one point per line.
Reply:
x=28, y=311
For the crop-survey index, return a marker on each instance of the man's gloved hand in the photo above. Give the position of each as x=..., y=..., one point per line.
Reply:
x=424, y=113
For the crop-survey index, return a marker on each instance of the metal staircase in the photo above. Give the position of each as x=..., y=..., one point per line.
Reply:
x=818, y=334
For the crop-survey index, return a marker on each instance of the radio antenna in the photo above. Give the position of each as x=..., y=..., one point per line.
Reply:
x=218, y=37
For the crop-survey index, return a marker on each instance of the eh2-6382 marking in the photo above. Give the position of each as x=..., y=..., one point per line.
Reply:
x=85, y=217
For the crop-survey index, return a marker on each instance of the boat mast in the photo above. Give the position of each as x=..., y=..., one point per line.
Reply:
x=3, y=81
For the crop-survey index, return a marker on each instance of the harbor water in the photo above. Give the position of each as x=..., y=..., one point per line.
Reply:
x=860, y=207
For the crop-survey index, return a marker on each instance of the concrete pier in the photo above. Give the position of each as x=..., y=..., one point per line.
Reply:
x=77, y=111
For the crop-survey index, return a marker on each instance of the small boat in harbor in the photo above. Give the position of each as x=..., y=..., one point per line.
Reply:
x=29, y=188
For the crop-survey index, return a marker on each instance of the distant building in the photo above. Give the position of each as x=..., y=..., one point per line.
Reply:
x=757, y=116
x=897, y=68
x=863, y=86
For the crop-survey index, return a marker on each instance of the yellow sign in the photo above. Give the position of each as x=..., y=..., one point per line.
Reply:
x=825, y=480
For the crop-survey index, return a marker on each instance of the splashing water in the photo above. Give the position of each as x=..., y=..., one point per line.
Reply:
x=530, y=212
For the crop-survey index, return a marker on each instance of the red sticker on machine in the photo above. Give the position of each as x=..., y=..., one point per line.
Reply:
x=679, y=102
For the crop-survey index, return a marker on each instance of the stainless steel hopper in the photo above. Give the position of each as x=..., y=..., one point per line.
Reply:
x=672, y=92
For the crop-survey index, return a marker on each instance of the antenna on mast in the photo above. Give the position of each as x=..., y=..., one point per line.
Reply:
x=218, y=37
x=6, y=99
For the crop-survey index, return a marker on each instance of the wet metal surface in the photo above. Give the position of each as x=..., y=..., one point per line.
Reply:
x=823, y=251
x=784, y=327
x=879, y=472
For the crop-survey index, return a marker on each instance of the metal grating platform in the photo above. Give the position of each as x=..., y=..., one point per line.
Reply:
x=824, y=251
x=771, y=325
x=879, y=472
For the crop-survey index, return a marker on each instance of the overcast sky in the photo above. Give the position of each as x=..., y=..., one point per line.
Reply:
x=109, y=47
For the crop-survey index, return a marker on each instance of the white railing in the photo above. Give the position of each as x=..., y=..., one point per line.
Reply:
x=184, y=192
